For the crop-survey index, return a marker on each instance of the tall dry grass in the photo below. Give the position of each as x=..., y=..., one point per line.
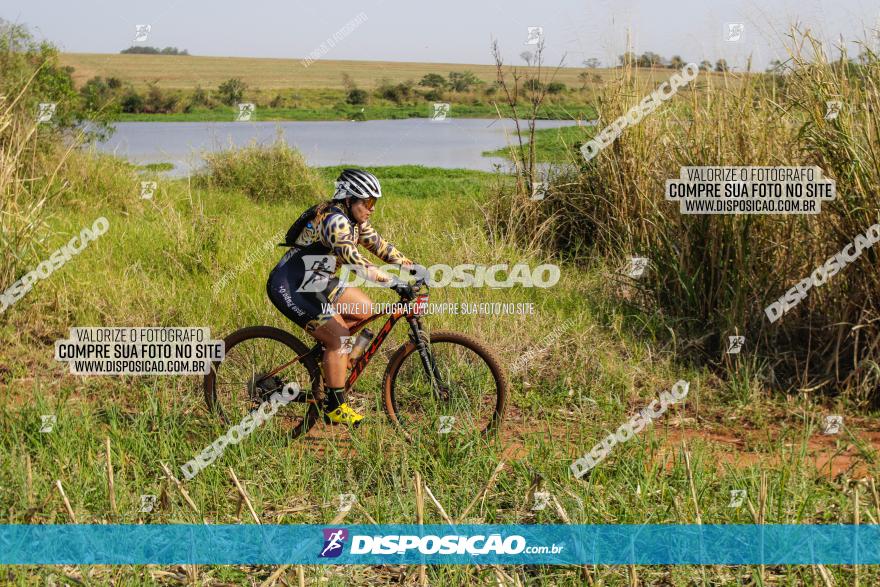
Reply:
x=713, y=275
x=31, y=157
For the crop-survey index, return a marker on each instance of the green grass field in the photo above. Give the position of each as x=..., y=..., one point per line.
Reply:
x=157, y=265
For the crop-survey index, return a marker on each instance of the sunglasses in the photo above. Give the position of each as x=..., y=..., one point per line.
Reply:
x=369, y=203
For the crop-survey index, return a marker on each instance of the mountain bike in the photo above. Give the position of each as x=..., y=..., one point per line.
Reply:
x=446, y=381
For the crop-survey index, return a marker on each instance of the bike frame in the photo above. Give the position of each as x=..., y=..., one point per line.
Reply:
x=360, y=365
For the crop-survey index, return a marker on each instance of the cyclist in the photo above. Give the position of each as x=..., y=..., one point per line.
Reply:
x=303, y=285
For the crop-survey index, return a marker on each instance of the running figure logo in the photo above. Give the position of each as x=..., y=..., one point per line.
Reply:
x=319, y=269
x=334, y=540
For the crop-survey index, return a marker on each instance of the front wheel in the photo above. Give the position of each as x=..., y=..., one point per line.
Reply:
x=469, y=398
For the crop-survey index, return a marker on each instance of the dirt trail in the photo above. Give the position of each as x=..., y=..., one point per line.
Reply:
x=743, y=446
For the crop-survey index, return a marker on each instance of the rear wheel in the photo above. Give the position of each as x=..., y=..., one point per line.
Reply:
x=240, y=382
x=469, y=399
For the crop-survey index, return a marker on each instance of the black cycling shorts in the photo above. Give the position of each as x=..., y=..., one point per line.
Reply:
x=300, y=294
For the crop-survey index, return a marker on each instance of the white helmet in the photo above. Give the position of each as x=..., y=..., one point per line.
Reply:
x=357, y=183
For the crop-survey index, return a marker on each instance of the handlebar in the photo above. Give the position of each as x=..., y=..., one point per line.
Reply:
x=408, y=290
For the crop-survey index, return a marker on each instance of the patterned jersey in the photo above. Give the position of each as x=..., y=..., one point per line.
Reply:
x=340, y=236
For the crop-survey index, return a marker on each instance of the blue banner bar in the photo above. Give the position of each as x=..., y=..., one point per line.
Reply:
x=73, y=544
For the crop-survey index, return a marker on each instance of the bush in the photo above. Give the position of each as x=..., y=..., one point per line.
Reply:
x=276, y=173
x=231, y=92
x=277, y=102
x=556, y=88
x=132, y=102
x=434, y=80
x=159, y=101
x=533, y=84
x=434, y=96
x=199, y=97
x=357, y=96
x=461, y=81
x=96, y=94
x=395, y=93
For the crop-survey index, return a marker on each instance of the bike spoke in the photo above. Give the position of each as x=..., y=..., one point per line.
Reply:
x=470, y=402
x=241, y=386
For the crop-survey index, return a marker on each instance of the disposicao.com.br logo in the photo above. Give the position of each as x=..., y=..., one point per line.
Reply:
x=334, y=542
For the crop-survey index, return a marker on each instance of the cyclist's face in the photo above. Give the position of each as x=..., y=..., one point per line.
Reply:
x=362, y=209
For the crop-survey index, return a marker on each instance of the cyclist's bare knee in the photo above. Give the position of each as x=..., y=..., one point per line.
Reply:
x=354, y=304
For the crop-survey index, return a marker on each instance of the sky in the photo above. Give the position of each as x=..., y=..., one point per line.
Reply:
x=449, y=31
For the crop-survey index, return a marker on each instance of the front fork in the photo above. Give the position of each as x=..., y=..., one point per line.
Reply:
x=420, y=338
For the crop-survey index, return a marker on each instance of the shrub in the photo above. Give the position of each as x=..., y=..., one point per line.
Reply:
x=276, y=173
x=434, y=80
x=132, y=102
x=277, y=101
x=461, y=81
x=533, y=84
x=199, y=97
x=395, y=93
x=434, y=96
x=231, y=91
x=159, y=101
x=556, y=88
x=96, y=94
x=357, y=96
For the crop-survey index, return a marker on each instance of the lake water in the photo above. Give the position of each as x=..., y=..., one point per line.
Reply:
x=452, y=143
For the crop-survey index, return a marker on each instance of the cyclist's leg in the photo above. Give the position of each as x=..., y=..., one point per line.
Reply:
x=335, y=366
x=335, y=363
x=314, y=311
x=353, y=305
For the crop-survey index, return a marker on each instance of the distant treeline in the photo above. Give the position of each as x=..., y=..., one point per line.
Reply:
x=155, y=51
x=651, y=59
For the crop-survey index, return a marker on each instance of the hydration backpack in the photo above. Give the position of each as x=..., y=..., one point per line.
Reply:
x=305, y=219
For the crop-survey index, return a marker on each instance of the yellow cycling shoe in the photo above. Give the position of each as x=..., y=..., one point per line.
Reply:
x=343, y=415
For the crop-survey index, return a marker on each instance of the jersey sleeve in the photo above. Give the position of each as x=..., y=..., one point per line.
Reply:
x=377, y=245
x=336, y=231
